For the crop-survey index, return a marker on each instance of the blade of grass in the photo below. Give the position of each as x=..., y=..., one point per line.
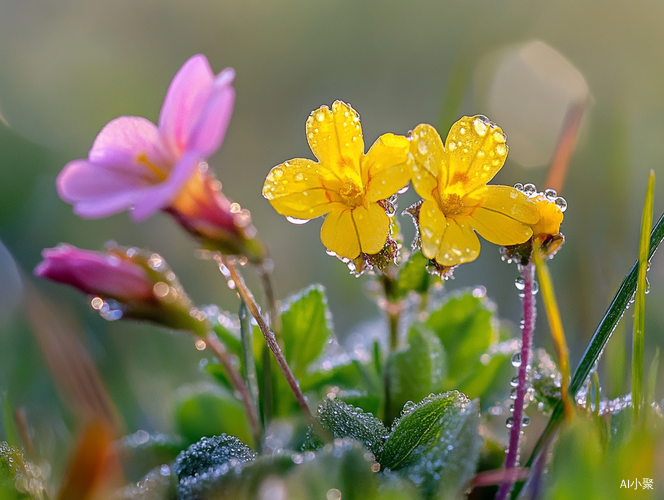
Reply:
x=600, y=337
x=640, y=306
x=652, y=378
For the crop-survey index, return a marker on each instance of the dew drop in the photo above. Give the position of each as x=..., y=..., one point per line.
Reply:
x=561, y=203
x=525, y=421
x=423, y=146
x=551, y=194
x=298, y=222
x=514, y=382
x=535, y=288
x=277, y=172
x=516, y=360
x=518, y=186
x=529, y=190
x=519, y=283
x=299, y=176
x=481, y=125
x=320, y=116
x=509, y=422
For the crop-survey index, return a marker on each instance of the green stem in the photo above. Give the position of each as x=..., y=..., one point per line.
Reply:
x=223, y=356
x=248, y=353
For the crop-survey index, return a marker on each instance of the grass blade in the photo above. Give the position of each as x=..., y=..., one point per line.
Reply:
x=640, y=306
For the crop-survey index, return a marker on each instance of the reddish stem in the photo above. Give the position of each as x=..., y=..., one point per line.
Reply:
x=529, y=313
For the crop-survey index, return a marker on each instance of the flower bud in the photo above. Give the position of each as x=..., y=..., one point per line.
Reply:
x=124, y=283
x=203, y=211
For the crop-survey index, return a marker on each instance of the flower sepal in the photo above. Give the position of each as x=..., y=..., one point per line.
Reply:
x=217, y=223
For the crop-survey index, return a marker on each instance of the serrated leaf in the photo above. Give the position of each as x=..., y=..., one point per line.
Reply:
x=418, y=427
x=417, y=370
x=436, y=444
x=208, y=410
x=464, y=325
x=306, y=328
x=344, y=420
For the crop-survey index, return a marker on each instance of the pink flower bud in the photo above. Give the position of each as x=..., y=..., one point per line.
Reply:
x=93, y=273
x=124, y=283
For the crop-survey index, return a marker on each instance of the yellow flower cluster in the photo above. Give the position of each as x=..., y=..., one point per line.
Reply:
x=348, y=185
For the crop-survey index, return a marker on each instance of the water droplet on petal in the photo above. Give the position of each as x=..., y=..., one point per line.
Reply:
x=298, y=222
x=551, y=194
x=530, y=190
x=561, y=203
x=481, y=125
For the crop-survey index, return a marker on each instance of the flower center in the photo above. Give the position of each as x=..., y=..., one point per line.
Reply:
x=156, y=171
x=351, y=193
x=451, y=204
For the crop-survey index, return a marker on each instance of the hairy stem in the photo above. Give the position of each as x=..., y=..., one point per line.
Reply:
x=248, y=354
x=270, y=338
x=529, y=312
x=222, y=355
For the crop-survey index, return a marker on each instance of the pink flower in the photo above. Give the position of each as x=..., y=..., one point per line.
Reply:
x=135, y=164
x=93, y=273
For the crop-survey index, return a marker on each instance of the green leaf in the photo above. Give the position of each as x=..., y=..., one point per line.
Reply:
x=464, y=325
x=416, y=370
x=601, y=336
x=210, y=453
x=306, y=328
x=207, y=410
x=489, y=380
x=436, y=444
x=344, y=420
x=413, y=275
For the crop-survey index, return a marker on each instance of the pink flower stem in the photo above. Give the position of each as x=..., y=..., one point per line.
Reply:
x=529, y=313
x=270, y=338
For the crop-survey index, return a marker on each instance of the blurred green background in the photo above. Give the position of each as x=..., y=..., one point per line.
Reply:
x=68, y=67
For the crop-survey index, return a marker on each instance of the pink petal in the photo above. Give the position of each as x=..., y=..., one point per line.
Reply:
x=127, y=143
x=210, y=128
x=159, y=196
x=185, y=101
x=97, y=191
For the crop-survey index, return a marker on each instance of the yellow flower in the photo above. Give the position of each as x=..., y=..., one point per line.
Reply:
x=345, y=184
x=452, y=180
x=551, y=216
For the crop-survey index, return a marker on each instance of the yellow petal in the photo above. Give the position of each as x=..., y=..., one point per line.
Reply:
x=459, y=244
x=550, y=216
x=508, y=201
x=296, y=188
x=339, y=234
x=335, y=137
x=476, y=150
x=372, y=227
x=432, y=228
x=385, y=168
x=429, y=167
x=499, y=228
